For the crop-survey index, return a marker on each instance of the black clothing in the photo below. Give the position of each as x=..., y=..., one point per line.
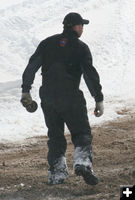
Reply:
x=64, y=58
x=73, y=112
x=73, y=19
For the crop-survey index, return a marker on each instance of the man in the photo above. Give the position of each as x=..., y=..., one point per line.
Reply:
x=64, y=58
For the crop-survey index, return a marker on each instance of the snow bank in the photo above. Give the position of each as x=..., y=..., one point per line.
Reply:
x=110, y=36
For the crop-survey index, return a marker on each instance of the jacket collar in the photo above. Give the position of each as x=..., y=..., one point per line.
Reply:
x=70, y=34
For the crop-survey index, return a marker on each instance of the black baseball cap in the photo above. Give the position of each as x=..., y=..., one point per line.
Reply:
x=74, y=19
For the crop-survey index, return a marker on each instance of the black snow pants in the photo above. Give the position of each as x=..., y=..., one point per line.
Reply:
x=72, y=111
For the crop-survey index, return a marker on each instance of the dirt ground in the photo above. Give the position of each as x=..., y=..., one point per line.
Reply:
x=23, y=167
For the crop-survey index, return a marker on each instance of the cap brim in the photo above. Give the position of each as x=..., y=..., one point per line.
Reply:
x=85, y=21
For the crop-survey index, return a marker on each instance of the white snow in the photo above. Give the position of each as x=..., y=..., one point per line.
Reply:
x=110, y=36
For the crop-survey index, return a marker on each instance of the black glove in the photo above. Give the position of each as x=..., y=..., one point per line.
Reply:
x=28, y=103
x=26, y=99
x=99, y=109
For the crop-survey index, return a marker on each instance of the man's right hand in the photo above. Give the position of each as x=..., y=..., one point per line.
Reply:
x=26, y=99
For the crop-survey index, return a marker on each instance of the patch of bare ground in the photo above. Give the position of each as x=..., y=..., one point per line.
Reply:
x=23, y=167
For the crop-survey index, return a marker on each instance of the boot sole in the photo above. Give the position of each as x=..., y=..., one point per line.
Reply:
x=88, y=177
x=55, y=181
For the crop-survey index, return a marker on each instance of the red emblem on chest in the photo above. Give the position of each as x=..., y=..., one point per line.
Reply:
x=63, y=42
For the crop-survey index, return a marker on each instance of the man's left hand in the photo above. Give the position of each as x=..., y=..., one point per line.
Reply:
x=99, y=109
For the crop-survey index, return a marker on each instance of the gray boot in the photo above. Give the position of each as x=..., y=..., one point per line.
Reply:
x=59, y=172
x=83, y=165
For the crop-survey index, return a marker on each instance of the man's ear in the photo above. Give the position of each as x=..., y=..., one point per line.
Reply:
x=75, y=27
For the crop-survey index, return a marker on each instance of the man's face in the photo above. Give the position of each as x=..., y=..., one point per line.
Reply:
x=78, y=29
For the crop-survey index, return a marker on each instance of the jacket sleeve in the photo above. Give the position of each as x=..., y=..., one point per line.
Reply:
x=91, y=75
x=34, y=64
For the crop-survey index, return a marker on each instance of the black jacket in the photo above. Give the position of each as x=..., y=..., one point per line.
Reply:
x=64, y=58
